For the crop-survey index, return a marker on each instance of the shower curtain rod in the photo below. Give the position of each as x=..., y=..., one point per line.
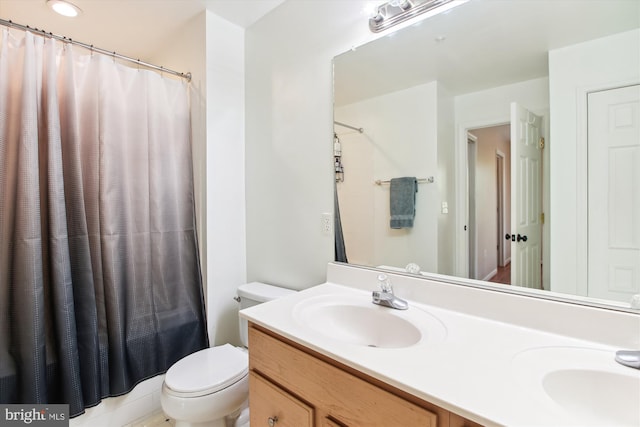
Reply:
x=92, y=48
x=348, y=126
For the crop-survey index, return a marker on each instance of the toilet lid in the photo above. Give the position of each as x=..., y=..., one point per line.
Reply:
x=208, y=370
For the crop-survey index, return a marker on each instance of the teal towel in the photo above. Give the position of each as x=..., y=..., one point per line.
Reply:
x=402, y=201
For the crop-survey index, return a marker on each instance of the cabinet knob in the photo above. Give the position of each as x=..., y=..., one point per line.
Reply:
x=272, y=421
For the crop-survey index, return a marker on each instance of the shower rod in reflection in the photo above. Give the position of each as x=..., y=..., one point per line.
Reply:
x=90, y=47
x=348, y=126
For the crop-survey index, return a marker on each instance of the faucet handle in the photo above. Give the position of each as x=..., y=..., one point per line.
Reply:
x=385, y=284
x=630, y=358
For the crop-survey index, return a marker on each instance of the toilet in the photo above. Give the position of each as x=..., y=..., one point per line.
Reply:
x=211, y=387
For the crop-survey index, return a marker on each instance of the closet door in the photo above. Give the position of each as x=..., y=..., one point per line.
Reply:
x=614, y=193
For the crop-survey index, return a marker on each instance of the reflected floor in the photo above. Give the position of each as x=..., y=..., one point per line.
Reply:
x=503, y=275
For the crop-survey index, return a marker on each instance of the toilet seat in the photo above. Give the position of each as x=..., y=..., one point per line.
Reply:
x=207, y=371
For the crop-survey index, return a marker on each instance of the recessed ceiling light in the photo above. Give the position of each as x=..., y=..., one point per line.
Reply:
x=64, y=8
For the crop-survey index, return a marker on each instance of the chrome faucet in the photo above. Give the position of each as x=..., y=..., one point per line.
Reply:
x=385, y=296
x=630, y=358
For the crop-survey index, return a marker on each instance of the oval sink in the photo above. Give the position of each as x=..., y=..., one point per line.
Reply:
x=587, y=384
x=584, y=391
x=359, y=322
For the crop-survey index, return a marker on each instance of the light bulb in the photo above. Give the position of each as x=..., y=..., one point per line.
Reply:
x=372, y=11
x=402, y=4
x=64, y=8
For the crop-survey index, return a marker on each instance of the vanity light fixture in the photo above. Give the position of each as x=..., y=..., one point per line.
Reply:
x=396, y=11
x=64, y=8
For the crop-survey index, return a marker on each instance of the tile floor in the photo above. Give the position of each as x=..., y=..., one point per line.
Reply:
x=158, y=419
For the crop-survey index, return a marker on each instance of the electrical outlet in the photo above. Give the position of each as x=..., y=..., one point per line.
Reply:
x=326, y=223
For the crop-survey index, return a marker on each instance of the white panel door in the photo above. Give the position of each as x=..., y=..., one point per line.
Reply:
x=526, y=198
x=614, y=193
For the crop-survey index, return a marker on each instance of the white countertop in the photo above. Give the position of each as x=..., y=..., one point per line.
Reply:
x=479, y=368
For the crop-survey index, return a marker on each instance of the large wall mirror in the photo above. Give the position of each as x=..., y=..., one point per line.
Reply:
x=520, y=121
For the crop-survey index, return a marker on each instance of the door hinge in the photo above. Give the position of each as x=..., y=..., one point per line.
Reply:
x=542, y=218
x=541, y=143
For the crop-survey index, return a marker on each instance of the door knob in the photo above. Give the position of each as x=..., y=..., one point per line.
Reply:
x=523, y=238
x=507, y=236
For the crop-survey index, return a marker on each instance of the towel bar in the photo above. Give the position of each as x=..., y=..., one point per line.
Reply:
x=429, y=180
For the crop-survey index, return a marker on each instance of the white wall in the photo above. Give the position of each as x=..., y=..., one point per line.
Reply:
x=225, y=172
x=575, y=70
x=445, y=182
x=289, y=134
x=399, y=139
x=289, y=137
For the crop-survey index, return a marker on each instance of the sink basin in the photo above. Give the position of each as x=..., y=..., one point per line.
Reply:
x=585, y=383
x=356, y=321
x=582, y=390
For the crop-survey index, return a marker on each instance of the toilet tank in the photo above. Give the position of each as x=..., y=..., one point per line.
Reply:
x=255, y=293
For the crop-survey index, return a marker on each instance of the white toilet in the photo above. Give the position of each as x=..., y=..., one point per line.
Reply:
x=209, y=387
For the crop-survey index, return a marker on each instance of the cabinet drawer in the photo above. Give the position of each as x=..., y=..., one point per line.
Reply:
x=347, y=398
x=270, y=403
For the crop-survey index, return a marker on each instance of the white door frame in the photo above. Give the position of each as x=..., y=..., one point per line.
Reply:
x=472, y=230
x=501, y=198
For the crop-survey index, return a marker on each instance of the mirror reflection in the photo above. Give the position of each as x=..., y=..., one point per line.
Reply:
x=520, y=122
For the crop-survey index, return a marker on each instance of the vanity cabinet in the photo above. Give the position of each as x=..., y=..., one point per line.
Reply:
x=291, y=385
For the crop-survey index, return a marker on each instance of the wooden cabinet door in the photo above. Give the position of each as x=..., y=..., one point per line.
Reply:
x=326, y=422
x=457, y=421
x=273, y=407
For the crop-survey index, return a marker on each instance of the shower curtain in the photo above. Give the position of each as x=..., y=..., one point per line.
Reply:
x=100, y=283
x=340, y=252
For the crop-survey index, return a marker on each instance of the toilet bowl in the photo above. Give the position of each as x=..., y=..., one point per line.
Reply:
x=193, y=398
x=209, y=387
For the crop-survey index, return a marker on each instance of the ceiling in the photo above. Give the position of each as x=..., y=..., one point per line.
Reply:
x=243, y=13
x=135, y=28
x=478, y=45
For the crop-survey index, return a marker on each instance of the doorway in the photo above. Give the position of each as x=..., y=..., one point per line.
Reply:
x=489, y=201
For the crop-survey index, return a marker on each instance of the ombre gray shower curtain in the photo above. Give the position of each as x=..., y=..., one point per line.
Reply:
x=100, y=283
